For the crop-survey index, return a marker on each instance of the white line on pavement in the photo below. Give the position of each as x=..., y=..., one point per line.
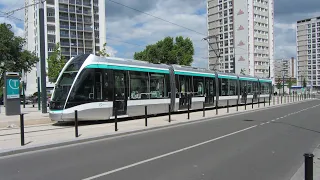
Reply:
x=167, y=154
x=273, y=120
x=261, y=124
x=268, y=122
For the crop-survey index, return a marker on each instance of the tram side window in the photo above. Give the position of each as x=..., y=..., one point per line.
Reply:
x=198, y=86
x=158, y=86
x=249, y=87
x=232, y=87
x=255, y=87
x=224, y=87
x=83, y=90
x=139, y=85
x=243, y=87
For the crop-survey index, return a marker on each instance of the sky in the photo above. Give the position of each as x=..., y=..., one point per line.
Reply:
x=129, y=31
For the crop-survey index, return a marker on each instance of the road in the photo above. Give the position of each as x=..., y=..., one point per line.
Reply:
x=266, y=144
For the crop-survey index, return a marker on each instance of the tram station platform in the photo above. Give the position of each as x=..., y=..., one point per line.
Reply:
x=40, y=132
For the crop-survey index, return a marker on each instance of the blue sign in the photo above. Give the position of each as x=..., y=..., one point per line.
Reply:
x=13, y=88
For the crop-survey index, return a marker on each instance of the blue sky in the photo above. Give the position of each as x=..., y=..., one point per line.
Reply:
x=129, y=31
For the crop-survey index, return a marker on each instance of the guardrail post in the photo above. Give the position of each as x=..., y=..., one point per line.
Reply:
x=189, y=110
x=245, y=104
x=259, y=102
x=264, y=101
x=269, y=100
x=116, y=119
x=76, y=123
x=237, y=105
x=228, y=106
x=204, y=109
x=252, y=103
x=146, y=115
x=169, y=112
x=308, y=166
x=22, y=129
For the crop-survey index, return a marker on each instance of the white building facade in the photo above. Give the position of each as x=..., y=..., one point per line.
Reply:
x=308, y=52
x=244, y=36
x=78, y=25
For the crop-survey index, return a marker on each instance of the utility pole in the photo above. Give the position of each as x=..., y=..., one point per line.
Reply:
x=42, y=59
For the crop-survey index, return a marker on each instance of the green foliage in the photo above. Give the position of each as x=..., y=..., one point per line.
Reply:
x=304, y=84
x=56, y=63
x=290, y=83
x=103, y=51
x=243, y=72
x=168, y=51
x=279, y=83
x=12, y=56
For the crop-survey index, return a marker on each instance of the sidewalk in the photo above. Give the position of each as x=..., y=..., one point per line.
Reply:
x=32, y=116
x=299, y=175
x=43, y=135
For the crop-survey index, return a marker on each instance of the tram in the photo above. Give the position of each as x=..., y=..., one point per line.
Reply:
x=99, y=87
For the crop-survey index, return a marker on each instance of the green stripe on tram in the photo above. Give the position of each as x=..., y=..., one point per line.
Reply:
x=265, y=80
x=193, y=74
x=227, y=76
x=248, y=79
x=126, y=68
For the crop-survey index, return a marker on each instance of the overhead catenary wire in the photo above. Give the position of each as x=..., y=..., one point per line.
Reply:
x=199, y=33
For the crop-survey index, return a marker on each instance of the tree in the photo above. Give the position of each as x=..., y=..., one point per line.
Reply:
x=56, y=63
x=243, y=71
x=279, y=83
x=289, y=84
x=103, y=51
x=12, y=56
x=168, y=51
x=304, y=84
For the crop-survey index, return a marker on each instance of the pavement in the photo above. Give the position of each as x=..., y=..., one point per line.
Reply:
x=263, y=143
x=32, y=116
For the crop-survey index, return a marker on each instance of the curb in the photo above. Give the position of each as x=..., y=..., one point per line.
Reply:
x=39, y=147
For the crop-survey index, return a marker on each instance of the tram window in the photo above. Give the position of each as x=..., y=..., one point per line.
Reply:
x=243, y=87
x=83, y=90
x=249, y=87
x=198, y=86
x=255, y=87
x=106, y=87
x=139, y=85
x=232, y=87
x=157, y=86
x=224, y=87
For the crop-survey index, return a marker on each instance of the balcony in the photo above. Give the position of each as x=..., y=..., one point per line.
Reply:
x=79, y=19
x=86, y=3
x=88, y=28
x=88, y=37
x=80, y=28
x=73, y=19
x=64, y=27
x=64, y=1
x=73, y=27
x=64, y=35
x=79, y=3
x=87, y=12
x=71, y=10
x=73, y=36
x=80, y=44
x=64, y=18
x=87, y=20
x=64, y=43
x=64, y=9
x=65, y=52
x=72, y=2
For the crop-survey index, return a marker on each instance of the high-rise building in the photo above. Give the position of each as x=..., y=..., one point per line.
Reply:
x=308, y=51
x=78, y=25
x=286, y=68
x=241, y=36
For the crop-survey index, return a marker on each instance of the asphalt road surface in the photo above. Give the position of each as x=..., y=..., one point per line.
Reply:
x=266, y=144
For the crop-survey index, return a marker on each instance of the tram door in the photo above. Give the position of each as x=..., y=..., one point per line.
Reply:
x=185, y=91
x=120, y=97
x=209, y=87
x=98, y=86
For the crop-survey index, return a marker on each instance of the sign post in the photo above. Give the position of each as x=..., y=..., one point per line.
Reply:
x=12, y=93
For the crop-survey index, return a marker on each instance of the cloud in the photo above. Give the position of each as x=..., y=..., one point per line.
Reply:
x=17, y=31
x=112, y=52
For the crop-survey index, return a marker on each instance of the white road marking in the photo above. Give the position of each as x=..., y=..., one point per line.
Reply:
x=167, y=154
x=273, y=120
x=268, y=122
x=262, y=124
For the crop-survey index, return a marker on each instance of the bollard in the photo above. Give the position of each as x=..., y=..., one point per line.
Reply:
x=269, y=100
x=273, y=100
x=245, y=104
x=22, y=129
x=228, y=106
x=252, y=103
x=277, y=99
x=204, y=110
x=188, y=110
x=259, y=102
x=146, y=115
x=76, y=123
x=217, y=109
x=281, y=99
x=116, y=120
x=264, y=101
x=308, y=166
x=169, y=113
x=237, y=105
